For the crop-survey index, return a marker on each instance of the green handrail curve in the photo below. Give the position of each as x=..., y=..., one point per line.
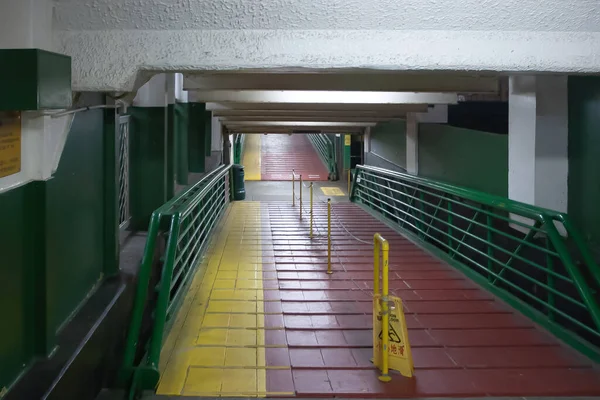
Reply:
x=187, y=222
x=238, y=148
x=326, y=150
x=533, y=258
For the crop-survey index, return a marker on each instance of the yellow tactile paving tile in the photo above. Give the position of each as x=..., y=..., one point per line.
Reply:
x=251, y=159
x=217, y=344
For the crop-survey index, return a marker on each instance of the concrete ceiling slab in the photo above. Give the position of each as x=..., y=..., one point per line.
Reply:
x=474, y=15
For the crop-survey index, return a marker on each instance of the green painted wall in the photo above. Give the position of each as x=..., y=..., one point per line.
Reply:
x=464, y=157
x=181, y=140
x=148, y=163
x=16, y=293
x=53, y=245
x=208, y=133
x=171, y=152
x=388, y=141
x=197, y=137
x=584, y=153
x=74, y=219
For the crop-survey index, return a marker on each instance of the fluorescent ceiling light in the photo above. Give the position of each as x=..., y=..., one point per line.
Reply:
x=322, y=97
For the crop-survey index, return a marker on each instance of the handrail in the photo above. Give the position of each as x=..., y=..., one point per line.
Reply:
x=326, y=150
x=187, y=221
x=530, y=256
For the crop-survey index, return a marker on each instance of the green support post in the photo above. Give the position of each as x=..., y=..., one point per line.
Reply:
x=111, y=193
x=44, y=336
x=181, y=138
x=147, y=163
x=208, y=132
x=196, y=138
x=171, y=157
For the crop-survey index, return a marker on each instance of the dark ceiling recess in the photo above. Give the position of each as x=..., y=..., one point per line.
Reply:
x=305, y=131
x=487, y=116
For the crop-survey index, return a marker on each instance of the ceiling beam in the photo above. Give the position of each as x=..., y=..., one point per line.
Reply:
x=288, y=129
x=401, y=113
x=285, y=117
x=365, y=81
x=311, y=107
x=322, y=97
x=302, y=124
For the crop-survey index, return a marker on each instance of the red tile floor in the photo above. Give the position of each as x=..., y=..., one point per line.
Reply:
x=465, y=342
x=281, y=153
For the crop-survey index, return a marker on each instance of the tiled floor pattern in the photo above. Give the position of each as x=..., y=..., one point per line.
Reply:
x=217, y=346
x=251, y=158
x=309, y=334
x=282, y=153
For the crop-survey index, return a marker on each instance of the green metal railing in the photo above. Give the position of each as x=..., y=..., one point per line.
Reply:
x=182, y=227
x=123, y=171
x=326, y=150
x=533, y=258
x=238, y=148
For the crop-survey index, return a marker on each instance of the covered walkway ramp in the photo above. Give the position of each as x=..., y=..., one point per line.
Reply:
x=272, y=157
x=261, y=317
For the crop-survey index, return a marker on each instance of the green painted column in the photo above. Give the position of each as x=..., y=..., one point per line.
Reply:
x=181, y=138
x=147, y=163
x=171, y=152
x=347, y=152
x=584, y=152
x=196, y=138
x=208, y=133
x=111, y=192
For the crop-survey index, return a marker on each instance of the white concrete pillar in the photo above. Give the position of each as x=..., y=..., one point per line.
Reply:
x=217, y=134
x=538, y=163
x=26, y=24
x=153, y=93
x=412, y=144
x=175, y=92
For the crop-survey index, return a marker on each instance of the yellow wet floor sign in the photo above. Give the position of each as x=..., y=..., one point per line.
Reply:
x=400, y=356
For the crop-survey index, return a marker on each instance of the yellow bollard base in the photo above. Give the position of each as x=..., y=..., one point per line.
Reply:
x=329, y=272
x=385, y=378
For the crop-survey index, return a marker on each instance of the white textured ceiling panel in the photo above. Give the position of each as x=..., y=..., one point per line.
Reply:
x=458, y=15
x=110, y=60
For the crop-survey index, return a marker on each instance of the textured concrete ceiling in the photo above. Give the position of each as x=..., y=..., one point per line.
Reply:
x=487, y=15
x=112, y=42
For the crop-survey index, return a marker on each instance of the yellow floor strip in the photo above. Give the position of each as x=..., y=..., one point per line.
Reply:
x=332, y=191
x=251, y=158
x=217, y=344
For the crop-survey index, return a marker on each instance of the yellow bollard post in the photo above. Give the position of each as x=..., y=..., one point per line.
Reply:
x=385, y=318
x=311, y=210
x=376, y=275
x=293, y=188
x=329, y=270
x=301, y=187
x=379, y=243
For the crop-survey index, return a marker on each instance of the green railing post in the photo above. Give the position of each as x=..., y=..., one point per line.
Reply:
x=188, y=219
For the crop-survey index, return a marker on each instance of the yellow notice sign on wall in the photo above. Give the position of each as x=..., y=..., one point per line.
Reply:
x=10, y=143
x=348, y=140
x=400, y=356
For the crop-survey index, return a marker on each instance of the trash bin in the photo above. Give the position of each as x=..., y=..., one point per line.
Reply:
x=239, y=191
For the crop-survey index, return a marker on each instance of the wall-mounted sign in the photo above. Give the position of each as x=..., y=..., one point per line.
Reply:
x=10, y=143
x=348, y=140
